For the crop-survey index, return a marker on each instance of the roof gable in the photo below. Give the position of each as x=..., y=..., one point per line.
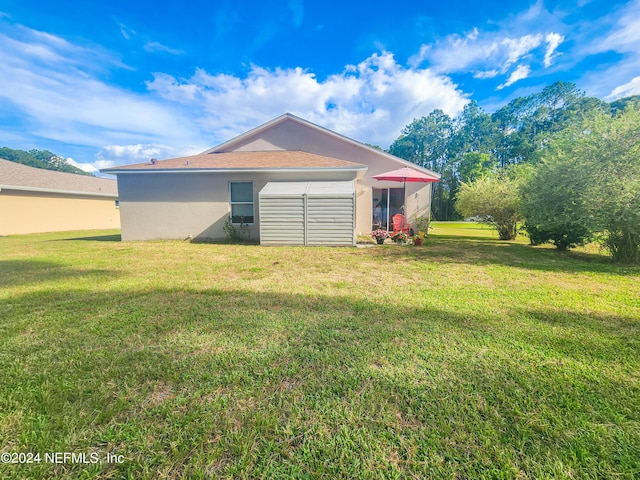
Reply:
x=289, y=132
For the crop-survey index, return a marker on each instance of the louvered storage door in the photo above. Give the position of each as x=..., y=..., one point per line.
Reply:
x=282, y=221
x=309, y=213
x=330, y=220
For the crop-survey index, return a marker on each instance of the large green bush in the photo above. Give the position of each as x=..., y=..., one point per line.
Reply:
x=589, y=184
x=553, y=203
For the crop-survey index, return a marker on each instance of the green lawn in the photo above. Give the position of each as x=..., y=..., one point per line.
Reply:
x=464, y=358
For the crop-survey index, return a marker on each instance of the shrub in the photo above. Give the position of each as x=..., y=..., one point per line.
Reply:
x=589, y=184
x=234, y=234
x=553, y=203
x=494, y=200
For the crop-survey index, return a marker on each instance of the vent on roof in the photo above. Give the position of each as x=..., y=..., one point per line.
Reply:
x=154, y=161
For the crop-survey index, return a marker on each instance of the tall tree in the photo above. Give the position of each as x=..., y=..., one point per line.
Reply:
x=476, y=144
x=475, y=165
x=525, y=122
x=475, y=131
x=40, y=159
x=553, y=201
x=621, y=104
x=426, y=142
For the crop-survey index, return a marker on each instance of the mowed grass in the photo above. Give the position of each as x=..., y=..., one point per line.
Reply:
x=464, y=358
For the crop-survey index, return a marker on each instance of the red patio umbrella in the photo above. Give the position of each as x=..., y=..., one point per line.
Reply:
x=404, y=175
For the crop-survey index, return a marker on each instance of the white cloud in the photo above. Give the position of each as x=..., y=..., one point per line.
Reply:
x=530, y=36
x=149, y=45
x=519, y=73
x=519, y=48
x=486, y=52
x=112, y=155
x=486, y=74
x=126, y=32
x=630, y=88
x=120, y=154
x=457, y=53
x=618, y=32
x=553, y=42
x=85, y=167
x=158, y=47
x=54, y=87
x=370, y=101
x=624, y=37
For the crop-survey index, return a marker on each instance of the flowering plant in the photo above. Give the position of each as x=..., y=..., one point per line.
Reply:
x=399, y=237
x=379, y=234
x=419, y=238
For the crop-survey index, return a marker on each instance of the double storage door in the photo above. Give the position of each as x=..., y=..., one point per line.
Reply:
x=307, y=213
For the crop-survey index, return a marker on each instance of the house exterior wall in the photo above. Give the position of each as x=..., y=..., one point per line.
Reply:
x=35, y=212
x=194, y=204
x=291, y=135
x=418, y=200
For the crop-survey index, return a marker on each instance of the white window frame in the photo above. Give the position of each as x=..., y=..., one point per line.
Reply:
x=252, y=203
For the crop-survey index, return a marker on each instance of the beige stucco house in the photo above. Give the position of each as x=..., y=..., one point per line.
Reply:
x=35, y=200
x=288, y=181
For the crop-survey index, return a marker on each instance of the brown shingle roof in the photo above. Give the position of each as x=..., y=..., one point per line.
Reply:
x=284, y=159
x=16, y=176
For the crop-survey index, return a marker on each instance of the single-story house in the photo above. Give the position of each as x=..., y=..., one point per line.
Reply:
x=287, y=181
x=36, y=200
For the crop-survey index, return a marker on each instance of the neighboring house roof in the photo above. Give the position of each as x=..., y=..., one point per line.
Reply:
x=231, y=144
x=242, y=161
x=15, y=176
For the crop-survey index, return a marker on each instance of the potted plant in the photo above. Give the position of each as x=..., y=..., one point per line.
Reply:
x=400, y=237
x=419, y=238
x=379, y=235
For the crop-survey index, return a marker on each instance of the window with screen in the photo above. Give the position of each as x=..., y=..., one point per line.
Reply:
x=241, y=202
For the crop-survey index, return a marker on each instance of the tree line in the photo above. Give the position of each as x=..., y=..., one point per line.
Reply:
x=475, y=143
x=39, y=159
x=561, y=167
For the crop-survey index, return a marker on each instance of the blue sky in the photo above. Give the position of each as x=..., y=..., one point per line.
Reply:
x=112, y=82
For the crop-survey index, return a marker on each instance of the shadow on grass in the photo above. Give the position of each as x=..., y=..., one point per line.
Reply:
x=244, y=314
x=483, y=251
x=242, y=360
x=469, y=238
x=97, y=238
x=24, y=272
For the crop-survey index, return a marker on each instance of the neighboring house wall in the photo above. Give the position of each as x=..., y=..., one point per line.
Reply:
x=34, y=212
x=34, y=200
x=182, y=205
